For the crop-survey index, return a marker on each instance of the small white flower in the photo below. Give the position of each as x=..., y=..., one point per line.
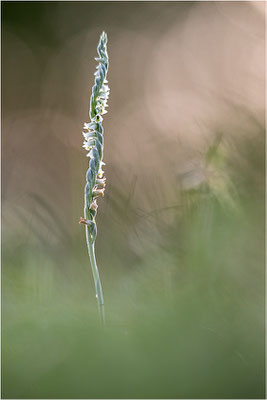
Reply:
x=89, y=135
x=86, y=125
x=103, y=95
x=91, y=125
x=97, y=118
x=87, y=145
x=100, y=173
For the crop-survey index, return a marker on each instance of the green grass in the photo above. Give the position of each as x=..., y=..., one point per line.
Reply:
x=184, y=296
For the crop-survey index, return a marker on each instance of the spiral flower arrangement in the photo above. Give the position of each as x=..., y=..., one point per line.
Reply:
x=94, y=144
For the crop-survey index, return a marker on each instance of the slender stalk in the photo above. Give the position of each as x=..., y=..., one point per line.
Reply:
x=98, y=286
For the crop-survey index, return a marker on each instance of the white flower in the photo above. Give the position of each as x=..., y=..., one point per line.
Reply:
x=91, y=125
x=87, y=146
x=89, y=135
x=97, y=118
x=86, y=125
x=101, y=172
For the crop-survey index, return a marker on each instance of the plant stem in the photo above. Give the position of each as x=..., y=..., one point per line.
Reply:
x=98, y=286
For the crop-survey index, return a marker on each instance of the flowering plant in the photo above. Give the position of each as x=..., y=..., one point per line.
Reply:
x=94, y=144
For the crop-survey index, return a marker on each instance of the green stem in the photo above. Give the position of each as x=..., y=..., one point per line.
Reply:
x=98, y=286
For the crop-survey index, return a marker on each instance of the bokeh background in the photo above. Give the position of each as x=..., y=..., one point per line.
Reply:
x=180, y=243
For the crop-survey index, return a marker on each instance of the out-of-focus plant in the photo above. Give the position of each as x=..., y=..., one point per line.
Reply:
x=209, y=177
x=94, y=144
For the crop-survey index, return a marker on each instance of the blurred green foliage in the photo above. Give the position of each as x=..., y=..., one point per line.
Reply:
x=185, y=319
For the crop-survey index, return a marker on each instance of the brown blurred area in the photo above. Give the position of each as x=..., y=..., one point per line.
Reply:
x=180, y=72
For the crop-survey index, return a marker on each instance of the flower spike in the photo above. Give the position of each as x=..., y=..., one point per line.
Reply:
x=93, y=131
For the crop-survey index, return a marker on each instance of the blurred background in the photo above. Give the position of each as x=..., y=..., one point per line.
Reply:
x=180, y=243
